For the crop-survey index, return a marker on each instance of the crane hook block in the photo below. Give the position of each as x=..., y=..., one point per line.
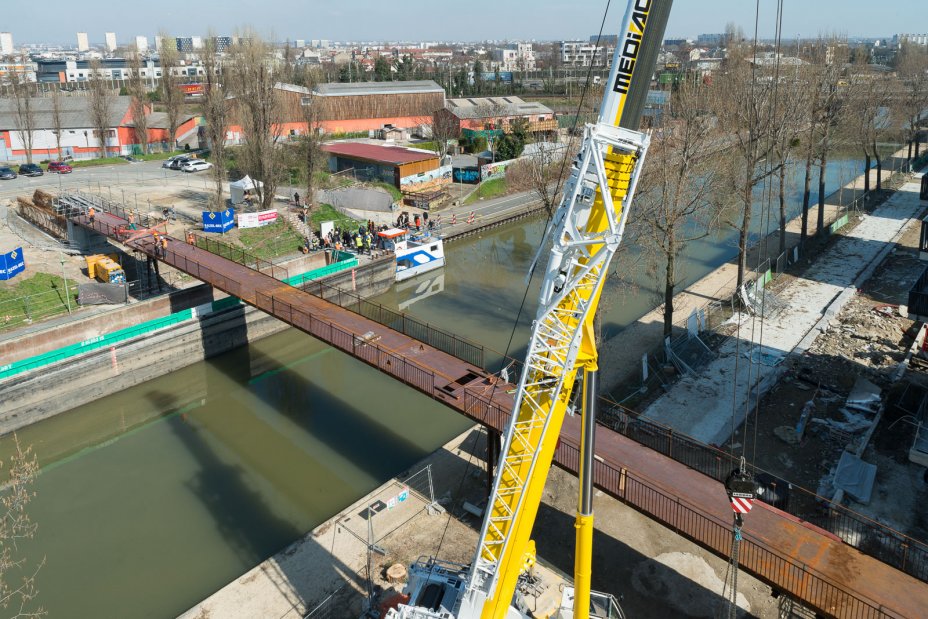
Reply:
x=741, y=492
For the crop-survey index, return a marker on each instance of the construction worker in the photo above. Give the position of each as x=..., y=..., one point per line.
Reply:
x=157, y=242
x=367, y=242
x=90, y=213
x=164, y=246
x=358, y=243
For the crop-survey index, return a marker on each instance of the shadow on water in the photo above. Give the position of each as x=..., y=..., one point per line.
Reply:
x=246, y=521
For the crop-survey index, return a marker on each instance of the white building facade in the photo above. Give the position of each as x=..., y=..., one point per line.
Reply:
x=110, y=38
x=6, y=43
x=83, y=43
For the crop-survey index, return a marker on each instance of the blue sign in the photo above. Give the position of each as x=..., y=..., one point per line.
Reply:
x=12, y=264
x=218, y=222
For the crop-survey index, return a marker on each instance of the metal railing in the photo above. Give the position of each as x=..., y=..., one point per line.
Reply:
x=407, y=325
x=869, y=536
x=239, y=255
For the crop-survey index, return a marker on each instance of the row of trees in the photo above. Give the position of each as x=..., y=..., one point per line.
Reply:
x=728, y=146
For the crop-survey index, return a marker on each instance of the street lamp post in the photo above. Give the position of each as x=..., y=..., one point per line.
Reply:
x=67, y=295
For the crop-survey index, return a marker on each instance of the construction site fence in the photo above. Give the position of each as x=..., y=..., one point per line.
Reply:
x=869, y=536
x=424, y=332
x=239, y=255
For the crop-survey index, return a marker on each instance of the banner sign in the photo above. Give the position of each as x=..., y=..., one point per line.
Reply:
x=256, y=220
x=218, y=222
x=12, y=264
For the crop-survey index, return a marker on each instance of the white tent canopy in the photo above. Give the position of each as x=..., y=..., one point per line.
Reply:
x=238, y=188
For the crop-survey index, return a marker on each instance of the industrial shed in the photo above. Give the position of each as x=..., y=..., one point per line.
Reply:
x=372, y=162
x=352, y=108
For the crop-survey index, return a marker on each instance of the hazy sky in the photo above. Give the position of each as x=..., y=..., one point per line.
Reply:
x=470, y=20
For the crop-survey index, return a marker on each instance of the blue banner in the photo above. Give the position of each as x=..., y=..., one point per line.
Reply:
x=12, y=264
x=218, y=222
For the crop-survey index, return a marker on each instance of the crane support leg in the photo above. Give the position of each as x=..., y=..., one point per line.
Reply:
x=583, y=558
x=492, y=453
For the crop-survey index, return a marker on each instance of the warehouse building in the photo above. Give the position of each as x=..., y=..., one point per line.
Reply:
x=479, y=116
x=361, y=107
x=79, y=138
x=389, y=164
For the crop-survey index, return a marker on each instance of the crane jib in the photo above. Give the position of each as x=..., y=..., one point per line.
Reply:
x=630, y=47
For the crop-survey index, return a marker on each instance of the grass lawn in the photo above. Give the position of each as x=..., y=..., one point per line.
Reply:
x=269, y=242
x=158, y=156
x=492, y=188
x=326, y=212
x=393, y=191
x=35, y=298
x=89, y=163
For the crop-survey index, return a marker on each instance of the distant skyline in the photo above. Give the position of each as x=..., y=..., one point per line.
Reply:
x=420, y=20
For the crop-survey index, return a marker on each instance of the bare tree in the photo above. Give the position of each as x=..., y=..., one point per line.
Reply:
x=678, y=197
x=171, y=95
x=790, y=114
x=741, y=104
x=311, y=141
x=138, y=92
x=101, y=104
x=866, y=118
x=18, y=588
x=258, y=112
x=23, y=91
x=832, y=101
x=215, y=108
x=912, y=68
x=444, y=129
x=57, y=124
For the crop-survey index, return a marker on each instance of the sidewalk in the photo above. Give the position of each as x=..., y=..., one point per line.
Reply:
x=701, y=406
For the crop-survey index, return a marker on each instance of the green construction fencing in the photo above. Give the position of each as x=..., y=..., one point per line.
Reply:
x=345, y=261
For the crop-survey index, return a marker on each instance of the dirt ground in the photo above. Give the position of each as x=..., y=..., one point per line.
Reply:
x=870, y=340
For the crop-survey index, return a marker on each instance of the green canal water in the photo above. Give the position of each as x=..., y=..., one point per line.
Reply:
x=151, y=499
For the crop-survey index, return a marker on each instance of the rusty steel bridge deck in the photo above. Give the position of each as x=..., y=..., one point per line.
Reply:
x=794, y=557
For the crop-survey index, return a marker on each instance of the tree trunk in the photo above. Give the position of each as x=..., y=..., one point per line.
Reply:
x=867, y=175
x=743, y=234
x=806, y=196
x=783, y=208
x=822, y=166
x=879, y=173
x=909, y=156
x=918, y=144
x=669, y=285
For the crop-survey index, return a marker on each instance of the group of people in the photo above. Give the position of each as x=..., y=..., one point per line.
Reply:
x=362, y=240
x=417, y=222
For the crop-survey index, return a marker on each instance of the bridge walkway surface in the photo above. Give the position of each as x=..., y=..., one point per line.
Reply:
x=794, y=557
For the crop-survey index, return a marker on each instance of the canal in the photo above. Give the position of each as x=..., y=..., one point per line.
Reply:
x=152, y=498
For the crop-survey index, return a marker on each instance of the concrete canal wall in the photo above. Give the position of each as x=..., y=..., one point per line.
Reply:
x=47, y=372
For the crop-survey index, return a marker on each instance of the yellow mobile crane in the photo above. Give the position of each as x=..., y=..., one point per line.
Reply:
x=586, y=231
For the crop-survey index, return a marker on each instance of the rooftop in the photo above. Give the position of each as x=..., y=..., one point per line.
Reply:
x=381, y=154
x=75, y=112
x=336, y=89
x=488, y=107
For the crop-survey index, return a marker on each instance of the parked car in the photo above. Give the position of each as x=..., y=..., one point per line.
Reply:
x=179, y=163
x=60, y=167
x=196, y=165
x=7, y=174
x=170, y=161
x=30, y=169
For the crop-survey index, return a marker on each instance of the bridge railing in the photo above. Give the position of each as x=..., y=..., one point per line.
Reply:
x=796, y=578
x=867, y=535
x=239, y=255
x=404, y=323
